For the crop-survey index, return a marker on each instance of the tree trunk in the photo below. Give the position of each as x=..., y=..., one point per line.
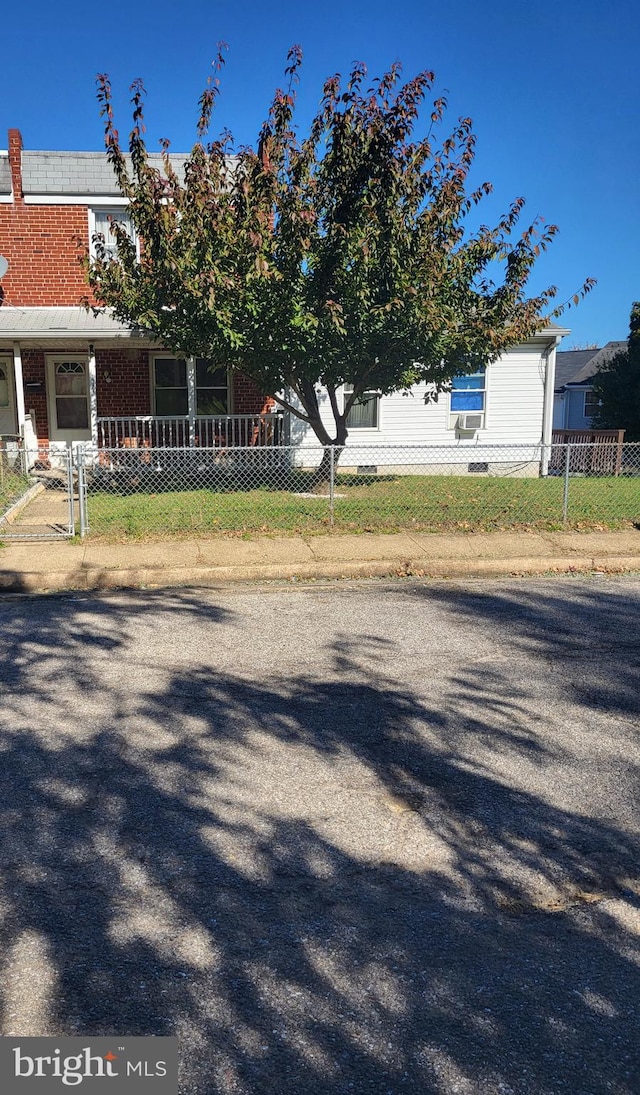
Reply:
x=321, y=478
x=321, y=481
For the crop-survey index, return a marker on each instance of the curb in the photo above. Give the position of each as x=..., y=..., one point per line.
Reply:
x=86, y=579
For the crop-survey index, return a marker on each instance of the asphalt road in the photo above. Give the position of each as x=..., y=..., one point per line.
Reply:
x=339, y=838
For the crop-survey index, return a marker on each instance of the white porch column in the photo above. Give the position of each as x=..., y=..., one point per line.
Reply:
x=93, y=395
x=19, y=382
x=192, y=402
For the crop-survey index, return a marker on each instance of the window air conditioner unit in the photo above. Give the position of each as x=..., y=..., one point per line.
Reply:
x=471, y=422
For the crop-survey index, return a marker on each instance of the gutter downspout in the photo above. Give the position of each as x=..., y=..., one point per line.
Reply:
x=547, y=406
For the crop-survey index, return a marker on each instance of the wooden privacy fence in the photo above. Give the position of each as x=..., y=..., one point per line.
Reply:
x=590, y=452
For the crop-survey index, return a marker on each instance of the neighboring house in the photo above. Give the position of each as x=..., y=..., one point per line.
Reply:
x=574, y=403
x=71, y=375
x=76, y=376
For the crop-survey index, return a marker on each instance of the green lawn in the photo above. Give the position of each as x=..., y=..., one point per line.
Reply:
x=370, y=504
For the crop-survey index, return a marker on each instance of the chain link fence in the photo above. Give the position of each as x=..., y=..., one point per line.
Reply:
x=13, y=478
x=141, y=492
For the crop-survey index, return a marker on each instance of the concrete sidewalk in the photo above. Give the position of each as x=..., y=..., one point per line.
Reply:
x=47, y=566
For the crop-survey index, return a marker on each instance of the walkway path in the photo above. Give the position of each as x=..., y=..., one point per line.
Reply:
x=50, y=566
x=47, y=513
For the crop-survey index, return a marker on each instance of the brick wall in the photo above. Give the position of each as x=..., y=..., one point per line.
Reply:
x=40, y=243
x=124, y=386
x=247, y=397
x=33, y=369
x=123, y=382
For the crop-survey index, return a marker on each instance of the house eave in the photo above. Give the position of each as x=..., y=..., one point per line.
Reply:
x=20, y=334
x=49, y=327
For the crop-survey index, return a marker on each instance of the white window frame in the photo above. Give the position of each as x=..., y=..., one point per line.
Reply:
x=191, y=387
x=118, y=212
x=453, y=415
x=152, y=379
x=229, y=409
x=56, y=433
x=589, y=392
x=347, y=390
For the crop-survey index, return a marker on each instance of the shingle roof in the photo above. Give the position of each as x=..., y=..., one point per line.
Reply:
x=569, y=362
x=60, y=322
x=597, y=361
x=5, y=174
x=578, y=366
x=79, y=173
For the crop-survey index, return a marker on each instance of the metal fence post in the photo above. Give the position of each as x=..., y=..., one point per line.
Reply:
x=332, y=478
x=70, y=498
x=82, y=500
x=565, y=493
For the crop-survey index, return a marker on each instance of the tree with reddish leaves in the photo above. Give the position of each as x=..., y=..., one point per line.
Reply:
x=340, y=263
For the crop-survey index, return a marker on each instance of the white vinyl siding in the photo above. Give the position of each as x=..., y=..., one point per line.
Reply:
x=513, y=408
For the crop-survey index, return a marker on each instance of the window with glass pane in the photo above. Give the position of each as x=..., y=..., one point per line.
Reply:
x=468, y=392
x=212, y=392
x=591, y=404
x=72, y=409
x=363, y=415
x=170, y=385
x=102, y=221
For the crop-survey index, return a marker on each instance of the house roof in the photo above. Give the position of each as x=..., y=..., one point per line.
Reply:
x=570, y=362
x=79, y=173
x=5, y=174
x=599, y=359
x=56, y=324
x=578, y=366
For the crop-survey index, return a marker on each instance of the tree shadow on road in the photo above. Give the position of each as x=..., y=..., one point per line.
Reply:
x=589, y=632
x=175, y=867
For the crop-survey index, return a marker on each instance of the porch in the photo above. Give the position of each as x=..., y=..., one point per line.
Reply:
x=264, y=430
x=587, y=452
x=84, y=377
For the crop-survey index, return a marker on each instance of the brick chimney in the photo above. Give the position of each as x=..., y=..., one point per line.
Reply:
x=15, y=161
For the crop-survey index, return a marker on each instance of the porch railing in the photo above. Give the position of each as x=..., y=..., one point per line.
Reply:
x=588, y=452
x=221, y=431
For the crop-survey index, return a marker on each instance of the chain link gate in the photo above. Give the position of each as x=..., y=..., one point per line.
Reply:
x=38, y=498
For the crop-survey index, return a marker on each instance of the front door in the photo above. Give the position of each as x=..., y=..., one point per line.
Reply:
x=68, y=391
x=8, y=423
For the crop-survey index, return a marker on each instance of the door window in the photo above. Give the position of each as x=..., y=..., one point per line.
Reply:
x=71, y=391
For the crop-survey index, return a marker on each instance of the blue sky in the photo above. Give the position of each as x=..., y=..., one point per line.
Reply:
x=553, y=89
